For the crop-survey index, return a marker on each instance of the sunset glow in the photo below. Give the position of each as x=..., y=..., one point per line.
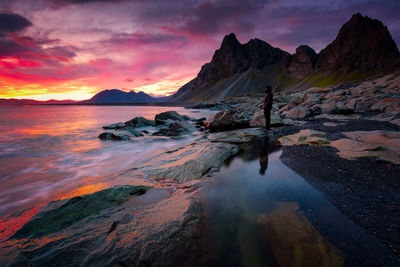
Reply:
x=70, y=49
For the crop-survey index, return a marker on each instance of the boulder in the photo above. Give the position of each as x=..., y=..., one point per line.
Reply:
x=118, y=125
x=195, y=161
x=299, y=113
x=163, y=117
x=258, y=120
x=161, y=132
x=133, y=131
x=309, y=100
x=342, y=108
x=369, y=144
x=351, y=104
x=304, y=137
x=315, y=110
x=140, y=122
x=112, y=136
x=386, y=104
x=237, y=136
x=187, y=118
x=174, y=129
x=223, y=121
x=327, y=108
x=363, y=106
x=155, y=229
x=284, y=109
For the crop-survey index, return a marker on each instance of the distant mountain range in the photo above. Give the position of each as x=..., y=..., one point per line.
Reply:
x=115, y=96
x=17, y=102
x=106, y=97
x=363, y=48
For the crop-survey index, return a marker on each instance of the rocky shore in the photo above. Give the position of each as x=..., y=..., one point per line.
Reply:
x=343, y=140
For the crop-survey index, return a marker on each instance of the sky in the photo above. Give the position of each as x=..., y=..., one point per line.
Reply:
x=73, y=49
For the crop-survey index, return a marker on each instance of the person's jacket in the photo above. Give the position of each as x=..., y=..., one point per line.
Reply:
x=268, y=101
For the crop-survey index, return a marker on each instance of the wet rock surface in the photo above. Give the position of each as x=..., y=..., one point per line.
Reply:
x=112, y=136
x=139, y=232
x=366, y=144
x=177, y=125
x=193, y=161
x=164, y=117
x=75, y=210
x=139, y=122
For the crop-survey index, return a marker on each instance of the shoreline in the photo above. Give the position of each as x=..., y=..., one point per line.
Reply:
x=366, y=190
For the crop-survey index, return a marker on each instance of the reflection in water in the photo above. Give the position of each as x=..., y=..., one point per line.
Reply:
x=263, y=158
x=279, y=220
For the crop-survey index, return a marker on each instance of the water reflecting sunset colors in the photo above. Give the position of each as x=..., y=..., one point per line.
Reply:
x=52, y=152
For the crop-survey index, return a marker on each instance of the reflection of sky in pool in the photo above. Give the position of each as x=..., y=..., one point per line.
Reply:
x=263, y=220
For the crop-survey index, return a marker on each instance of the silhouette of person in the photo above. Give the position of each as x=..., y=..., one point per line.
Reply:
x=264, y=156
x=267, y=106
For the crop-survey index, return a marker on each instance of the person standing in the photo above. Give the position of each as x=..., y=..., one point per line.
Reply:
x=267, y=106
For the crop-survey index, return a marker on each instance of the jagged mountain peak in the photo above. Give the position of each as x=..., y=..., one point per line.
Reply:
x=230, y=40
x=362, y=44
x=305, y=49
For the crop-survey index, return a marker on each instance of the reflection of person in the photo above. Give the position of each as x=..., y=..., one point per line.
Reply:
x=267, y=106
x=264, y=156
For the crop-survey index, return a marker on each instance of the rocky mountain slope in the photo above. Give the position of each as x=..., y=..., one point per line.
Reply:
x=363, y=48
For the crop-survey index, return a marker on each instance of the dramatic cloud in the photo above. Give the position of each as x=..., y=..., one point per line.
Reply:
x=10, y=22
x=84, y=46
x=213, y=17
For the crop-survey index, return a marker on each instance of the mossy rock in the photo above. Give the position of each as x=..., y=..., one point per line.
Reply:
x=76, y=209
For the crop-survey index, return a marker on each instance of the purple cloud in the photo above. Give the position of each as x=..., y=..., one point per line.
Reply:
x=10, y=22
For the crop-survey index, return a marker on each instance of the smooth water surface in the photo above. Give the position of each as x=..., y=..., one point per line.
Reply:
x=261, y=213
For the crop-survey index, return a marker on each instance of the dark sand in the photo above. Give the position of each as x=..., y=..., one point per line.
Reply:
x=366, y=190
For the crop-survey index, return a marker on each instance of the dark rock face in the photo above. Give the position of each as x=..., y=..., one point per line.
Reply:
x=362, y=44
x=302, y=63
x=233, y=57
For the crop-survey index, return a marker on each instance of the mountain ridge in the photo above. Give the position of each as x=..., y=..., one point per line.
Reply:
x=116, y=96
x=362, y=48
x=108, y=96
